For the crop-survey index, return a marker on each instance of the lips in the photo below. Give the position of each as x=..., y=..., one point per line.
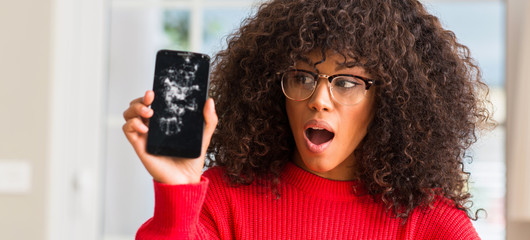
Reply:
x=318, y=135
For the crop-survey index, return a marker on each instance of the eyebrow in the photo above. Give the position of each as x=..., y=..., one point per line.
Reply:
x=340, y=64
x=343, y=65
x=306, y=60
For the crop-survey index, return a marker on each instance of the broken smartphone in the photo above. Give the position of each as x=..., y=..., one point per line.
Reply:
x=181, y=88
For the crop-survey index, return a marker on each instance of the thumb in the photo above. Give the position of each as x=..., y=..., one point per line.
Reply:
x=210, y=123
x=149, y=97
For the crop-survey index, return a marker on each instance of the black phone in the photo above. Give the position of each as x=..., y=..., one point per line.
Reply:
x=181, y=88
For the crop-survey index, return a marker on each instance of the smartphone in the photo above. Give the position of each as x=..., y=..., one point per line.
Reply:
x=181, y=88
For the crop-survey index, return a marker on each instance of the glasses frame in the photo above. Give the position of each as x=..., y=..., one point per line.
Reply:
x=368, y=82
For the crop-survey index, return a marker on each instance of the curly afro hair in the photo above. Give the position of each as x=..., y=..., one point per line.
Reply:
x=430, y=100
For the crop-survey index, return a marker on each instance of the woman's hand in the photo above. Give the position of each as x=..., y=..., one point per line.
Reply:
x=168, y=170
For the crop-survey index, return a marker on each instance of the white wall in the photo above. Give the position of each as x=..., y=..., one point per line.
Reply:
x=518, y=117
x=52, y=74
x=24, y=112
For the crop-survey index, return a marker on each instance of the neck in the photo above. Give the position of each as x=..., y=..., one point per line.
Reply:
x=345, y=171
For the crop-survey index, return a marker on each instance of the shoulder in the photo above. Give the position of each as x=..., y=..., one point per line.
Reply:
x=217, y=195
x=219, y=182
x=217, y=179
x=442, y=221
x=213, y=172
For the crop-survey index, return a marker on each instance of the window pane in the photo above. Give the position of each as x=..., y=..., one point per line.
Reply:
x=138, y=31
x=218, y=24
x=136, y=34
x=480, y=26
x=177, y=29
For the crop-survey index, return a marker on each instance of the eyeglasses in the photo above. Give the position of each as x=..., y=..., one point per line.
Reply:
x=346, y=89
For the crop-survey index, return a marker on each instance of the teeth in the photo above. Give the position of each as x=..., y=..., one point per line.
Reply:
x=317, y=128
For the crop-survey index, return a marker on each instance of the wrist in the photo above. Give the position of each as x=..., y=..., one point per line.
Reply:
x=180, y=179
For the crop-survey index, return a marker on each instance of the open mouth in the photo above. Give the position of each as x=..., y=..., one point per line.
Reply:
x=318, y=136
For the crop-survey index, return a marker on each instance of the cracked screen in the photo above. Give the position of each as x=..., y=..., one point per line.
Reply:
x=180, y=86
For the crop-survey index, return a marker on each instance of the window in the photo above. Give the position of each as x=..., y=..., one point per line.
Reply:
x=138, y=28
x=480, y=26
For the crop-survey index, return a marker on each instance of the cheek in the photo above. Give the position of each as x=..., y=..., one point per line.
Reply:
x=356, y=125
x=353, y=133
x=293, y=111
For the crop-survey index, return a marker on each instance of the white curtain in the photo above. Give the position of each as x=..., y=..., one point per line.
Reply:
x=518, y=120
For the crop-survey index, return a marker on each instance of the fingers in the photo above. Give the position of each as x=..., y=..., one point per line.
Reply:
x=137, y=116
x=137, y=139
x=137, y=110
x=134, y=125
x=136, y=100
x=140, y=107
x=136, y=132
x=210, y=123
x=149, y=97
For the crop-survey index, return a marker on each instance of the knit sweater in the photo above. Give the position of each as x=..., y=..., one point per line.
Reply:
x=308, y=207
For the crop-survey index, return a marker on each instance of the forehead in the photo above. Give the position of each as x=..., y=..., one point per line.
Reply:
x=331, y=62
x=316, y=57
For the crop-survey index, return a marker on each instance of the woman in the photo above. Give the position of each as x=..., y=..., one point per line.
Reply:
x=335, y=120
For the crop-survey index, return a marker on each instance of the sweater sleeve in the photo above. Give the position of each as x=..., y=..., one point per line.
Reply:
x=176, y=214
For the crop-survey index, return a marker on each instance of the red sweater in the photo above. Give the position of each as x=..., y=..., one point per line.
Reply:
x=309, y=207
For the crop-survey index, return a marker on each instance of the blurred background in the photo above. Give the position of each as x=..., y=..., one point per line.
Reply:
x=69, y=68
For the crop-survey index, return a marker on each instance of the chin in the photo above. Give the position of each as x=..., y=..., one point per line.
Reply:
x=319, y=164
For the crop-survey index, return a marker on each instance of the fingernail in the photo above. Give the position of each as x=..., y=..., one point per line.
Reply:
x=145, y=109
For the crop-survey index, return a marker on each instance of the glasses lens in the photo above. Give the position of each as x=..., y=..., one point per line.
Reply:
x=348, y=90
x=298, y=85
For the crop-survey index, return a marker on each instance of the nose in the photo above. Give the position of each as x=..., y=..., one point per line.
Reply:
x=321, y=99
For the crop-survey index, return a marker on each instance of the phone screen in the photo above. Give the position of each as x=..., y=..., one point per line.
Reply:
x=181, y=87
